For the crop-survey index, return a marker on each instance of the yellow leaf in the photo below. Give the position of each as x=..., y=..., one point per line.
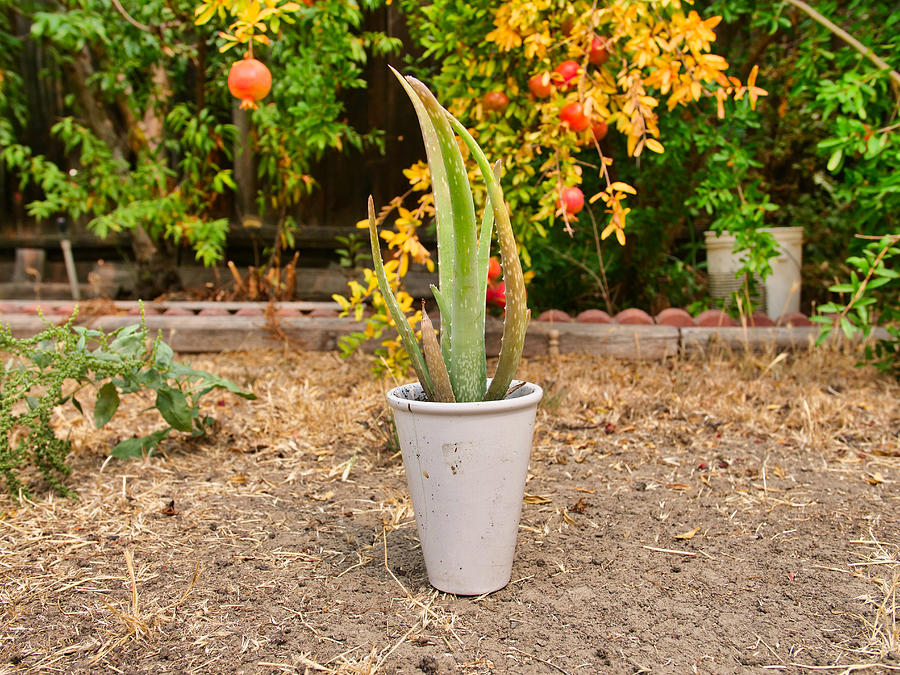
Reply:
x=687, y=535
x=625, y=187
x=341, y=300
x=204, y=14
x=655, y=145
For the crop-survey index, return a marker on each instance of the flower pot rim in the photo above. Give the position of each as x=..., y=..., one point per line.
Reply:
x=777, y=229
x=409, y=397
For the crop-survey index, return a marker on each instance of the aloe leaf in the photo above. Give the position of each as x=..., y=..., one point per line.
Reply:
x=443, y=391
x=515, y=322
x=443, y=307
x=443, y=205
x=463, y=346
x=484, y=236
x=406, y=335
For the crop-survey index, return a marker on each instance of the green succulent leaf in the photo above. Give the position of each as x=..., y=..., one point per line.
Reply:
x=515, y=322
x=406, y=334
x=463, y=340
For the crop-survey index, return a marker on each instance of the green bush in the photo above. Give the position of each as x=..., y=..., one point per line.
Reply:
x=145, y=132
x=870, y=297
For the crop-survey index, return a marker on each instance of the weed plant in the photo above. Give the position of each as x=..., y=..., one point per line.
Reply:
x=51, y=368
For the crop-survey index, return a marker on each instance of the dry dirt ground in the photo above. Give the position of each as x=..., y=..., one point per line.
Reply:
x=730, y=514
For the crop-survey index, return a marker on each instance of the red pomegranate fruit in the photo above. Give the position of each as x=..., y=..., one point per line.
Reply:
x=249, y=80
x=565, y=73
x=495, y=100
x=571, y=199
x=572, y=114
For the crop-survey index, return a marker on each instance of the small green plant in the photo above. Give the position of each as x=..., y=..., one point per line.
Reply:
x=50, y=369
x=353, y=252
x=872, y=299
x=456, y=368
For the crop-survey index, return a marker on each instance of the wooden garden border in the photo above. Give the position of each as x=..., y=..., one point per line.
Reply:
x=197, y=333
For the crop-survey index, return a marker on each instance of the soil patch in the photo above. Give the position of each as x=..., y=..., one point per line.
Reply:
x=734, y=514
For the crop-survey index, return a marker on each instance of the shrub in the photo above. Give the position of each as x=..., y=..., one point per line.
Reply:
x=51, y=368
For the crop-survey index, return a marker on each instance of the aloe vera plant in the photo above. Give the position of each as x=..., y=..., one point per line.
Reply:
x=455, y=369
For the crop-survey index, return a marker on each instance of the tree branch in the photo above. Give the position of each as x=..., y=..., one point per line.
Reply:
x=129, y=19
x=850, y=40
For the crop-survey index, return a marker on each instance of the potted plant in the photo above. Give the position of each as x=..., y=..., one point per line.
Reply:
x=465, y=439
x=745, y=257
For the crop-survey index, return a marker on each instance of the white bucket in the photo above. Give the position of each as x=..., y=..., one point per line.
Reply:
x=782, y=287
x=466, y=465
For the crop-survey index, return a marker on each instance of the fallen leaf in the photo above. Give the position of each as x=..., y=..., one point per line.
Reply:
x=884, y=452
x=687, y=535
x=169, y=509
x=578, y=507
x=874, y=478
x=569, y=520
x=537, y=499
x=679, y=486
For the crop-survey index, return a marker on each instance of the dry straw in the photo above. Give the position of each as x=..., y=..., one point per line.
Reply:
x=300, y=485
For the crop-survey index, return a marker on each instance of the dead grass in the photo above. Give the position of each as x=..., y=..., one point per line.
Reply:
x=301, y=484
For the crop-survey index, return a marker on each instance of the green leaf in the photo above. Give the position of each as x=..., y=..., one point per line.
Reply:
x=128, y=340
x=835, y=160
x=402, y=325
x=164, y=354
x=517, y=315
x=848, y=328
x=133, y=447
x=457, y=236
x=173, y=406
x=136, y=447
x=106, y=405
x=211, y=382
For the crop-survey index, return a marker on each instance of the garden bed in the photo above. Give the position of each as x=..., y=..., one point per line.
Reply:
x=731, y=514
x=199, y=327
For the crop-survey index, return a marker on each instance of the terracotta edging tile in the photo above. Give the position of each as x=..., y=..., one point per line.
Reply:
x=675, y=316
x=794, y=319
x=555, y=316
x=594, y=316
x=634, y=317
x=714, y=318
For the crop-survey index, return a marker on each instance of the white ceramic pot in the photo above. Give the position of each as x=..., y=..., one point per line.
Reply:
x=465, y=466
x=781, y=287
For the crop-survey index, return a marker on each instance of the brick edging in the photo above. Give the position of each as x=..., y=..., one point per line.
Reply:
x=196, y=327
